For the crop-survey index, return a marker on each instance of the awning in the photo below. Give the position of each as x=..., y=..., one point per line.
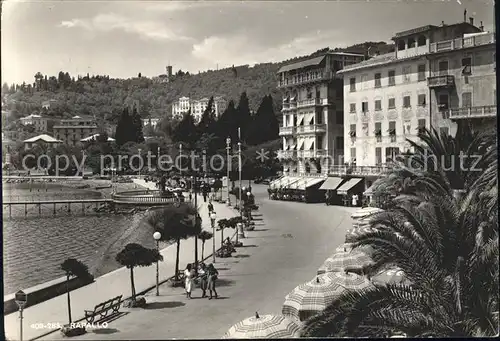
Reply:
x=300, y=144
x=308, y=144
x=291, y=181
x=369, y=191
x=314, y=181
x=299, y=184
x=276, y=183
x=302, y=64
x=293, y=147
x=331, y=183
x=348, y=185
x=308, y=119
x=300, y=118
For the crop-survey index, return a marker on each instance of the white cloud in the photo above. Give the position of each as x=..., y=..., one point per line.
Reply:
x=240, y=50
x=148, y=29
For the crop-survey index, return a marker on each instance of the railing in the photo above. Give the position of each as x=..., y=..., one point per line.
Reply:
x=310, y=175
x=287, y=154
x=461, y=43
x=313, y=128
x=287, y=131
x=289, y=105
x=473, y=112
x=440, y=81
x=320, y=152
x=306, y=78
x=358, y=170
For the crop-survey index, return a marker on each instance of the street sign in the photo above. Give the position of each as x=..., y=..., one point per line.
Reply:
x=21, y=298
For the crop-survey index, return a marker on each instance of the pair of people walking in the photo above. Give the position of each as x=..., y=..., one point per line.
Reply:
x=207, y=276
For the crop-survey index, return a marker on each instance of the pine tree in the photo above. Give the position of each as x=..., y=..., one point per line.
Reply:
x=123, y=128
x=185, y=131
x=137, y=134
x=243, y=116
x=226, y=124
x=264, y=126
x=207, y=122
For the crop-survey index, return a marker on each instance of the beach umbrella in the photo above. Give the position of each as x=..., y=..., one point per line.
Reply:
x=340, y=261
x=264, y=327
x=349, y=280
x=391, y=276
x=310, y=298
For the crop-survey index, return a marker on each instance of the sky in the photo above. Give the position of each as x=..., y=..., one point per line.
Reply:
x=122, y=38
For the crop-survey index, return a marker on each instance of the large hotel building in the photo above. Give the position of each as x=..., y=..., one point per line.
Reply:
x=365, y=110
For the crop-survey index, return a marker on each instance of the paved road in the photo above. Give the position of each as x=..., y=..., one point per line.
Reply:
x=287, y=247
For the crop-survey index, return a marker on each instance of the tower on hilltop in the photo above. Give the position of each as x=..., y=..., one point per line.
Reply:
x=169, y=73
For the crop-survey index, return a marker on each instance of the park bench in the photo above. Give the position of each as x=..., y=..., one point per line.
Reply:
x=102, y=309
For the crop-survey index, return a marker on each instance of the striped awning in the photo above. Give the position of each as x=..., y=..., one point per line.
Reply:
x=331, y=183
x=314, y=181
x=278, y=182
x=291, y=182
x=300, y=118
x=308, y=144
x=308, y=119
x=300, y=144
x=348, y=185
x=299, y=184
x=369, y=191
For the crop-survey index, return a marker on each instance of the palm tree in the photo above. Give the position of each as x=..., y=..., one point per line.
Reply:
x=175, y=223
x=137, y=255
x=204, y=236
x=448, y=250
x=74, y=268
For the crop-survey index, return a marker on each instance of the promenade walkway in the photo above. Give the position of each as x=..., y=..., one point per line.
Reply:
x=111, y=284
x=290, y=242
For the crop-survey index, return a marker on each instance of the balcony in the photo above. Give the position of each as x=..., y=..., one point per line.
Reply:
x=287, y=154
x=312, y=102
x=358, y=170
x=461, y=43
x=303, y=78
x=313, y=128
x=305, y=153
x=321, y=153
x=441, y=81
x=289, y=105
x=487, y=111
x=285, y=131
x=309, y=175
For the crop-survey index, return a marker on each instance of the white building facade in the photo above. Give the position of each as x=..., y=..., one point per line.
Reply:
x=197, y=107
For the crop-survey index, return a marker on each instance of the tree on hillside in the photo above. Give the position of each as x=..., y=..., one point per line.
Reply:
x=185, y=131
x=243, y=117
x=138, y=135
x=123, y=128
x=207, y=122
x=264, y=126
x=226, y=122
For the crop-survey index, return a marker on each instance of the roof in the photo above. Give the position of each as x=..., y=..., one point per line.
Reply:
x=43, y=137
x=31, y=116
x=426, y=28
x=95, y=136
x=377, y=60
x=299, y=65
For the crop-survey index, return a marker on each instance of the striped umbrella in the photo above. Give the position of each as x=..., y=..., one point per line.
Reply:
x=264, y=327
x=349, y=280
x=310, y=298
x=352, y=234
x=352, y=260
x=391, y=276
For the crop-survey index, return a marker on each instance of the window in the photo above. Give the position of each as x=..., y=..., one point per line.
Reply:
x=392, y=78
x=352, y=82
x=401, y=45
x=411, y=42
x=406, y=102
x=392, y=103
x=421, y=126
x=392, y=130
x=407, y=127
x=364, y=81
x=421, y=41
x=339, y=143
x=319, y=142
x=378, y=84
x=352, y=107
x=319, y=118
x=378, y=156
x=378, y=105
x=443, y=102
x=353, y=155
x=466, y=99
x=365, y=129
x=391, y=153
x=378, y=131
x=421, y=72
x=364, y=107
x=443, y=68
x=352, y=131
x=467, y=66
x=421, y=100
x=444, y=131
x=406, y=73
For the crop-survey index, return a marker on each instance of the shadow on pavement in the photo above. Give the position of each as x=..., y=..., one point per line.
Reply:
x=105, y=331
x=164, y=305
x=241, y=256
x=224, y=282
x=249, y=246
x=223, y=269
x=221, y=298
x=111, y=318
x=260, y=230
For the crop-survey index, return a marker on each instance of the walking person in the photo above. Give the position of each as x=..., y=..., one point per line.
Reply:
x=210, y=208
x=188, y=285
x=203, y=276
x=212, y=277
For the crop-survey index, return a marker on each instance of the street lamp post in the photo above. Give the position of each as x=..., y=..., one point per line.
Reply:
x=228, y=147
x=180, y=159
x=140, y=162
x=249, y=208
x=239, y=166
x=157, y=236
x=158, y=160
x=213, y=216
